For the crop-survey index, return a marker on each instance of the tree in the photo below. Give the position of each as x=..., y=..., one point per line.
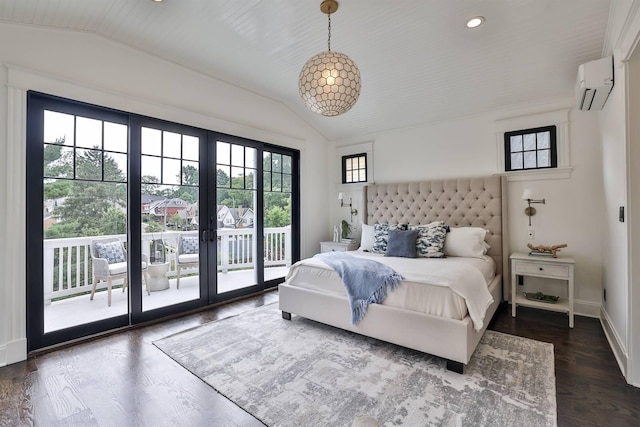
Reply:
x=177, y=221
x=277, y=217
x=57, y=189
x=58, y=163
x=190, y=175
x=114, y=222
x=150, y=185
x=84, y=212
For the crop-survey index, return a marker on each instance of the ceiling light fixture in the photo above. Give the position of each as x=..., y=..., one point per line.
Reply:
x=329, y=82
x=474, y=22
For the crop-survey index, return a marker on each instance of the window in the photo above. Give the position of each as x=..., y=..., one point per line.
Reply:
x=354, y=168
x=530, y=149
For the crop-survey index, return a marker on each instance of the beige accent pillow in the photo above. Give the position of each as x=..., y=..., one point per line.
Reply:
x=466, y=242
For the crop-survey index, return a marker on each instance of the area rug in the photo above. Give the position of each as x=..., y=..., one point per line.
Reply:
x=303, y=373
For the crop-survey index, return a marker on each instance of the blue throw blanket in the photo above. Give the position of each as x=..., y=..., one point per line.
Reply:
x=366, y=281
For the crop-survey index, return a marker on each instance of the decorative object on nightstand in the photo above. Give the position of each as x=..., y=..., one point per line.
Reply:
x=529, y=211
x=546, y=250
x=539, y=296
x=560, y=268
x=346, y=230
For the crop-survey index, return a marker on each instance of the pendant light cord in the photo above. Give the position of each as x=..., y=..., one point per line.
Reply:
x=329, y=38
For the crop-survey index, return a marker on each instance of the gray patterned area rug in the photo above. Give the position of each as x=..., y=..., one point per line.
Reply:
x=303, y=373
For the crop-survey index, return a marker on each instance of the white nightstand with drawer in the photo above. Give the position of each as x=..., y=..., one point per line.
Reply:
x=338, y=246
x=560, y=268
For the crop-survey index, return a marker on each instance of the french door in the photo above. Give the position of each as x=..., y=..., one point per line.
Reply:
x=131, y=218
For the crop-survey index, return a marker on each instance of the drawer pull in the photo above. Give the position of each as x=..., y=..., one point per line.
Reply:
x=541, y=268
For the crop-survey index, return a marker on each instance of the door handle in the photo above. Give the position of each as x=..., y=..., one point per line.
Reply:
x=204, y=235
x=213, y=235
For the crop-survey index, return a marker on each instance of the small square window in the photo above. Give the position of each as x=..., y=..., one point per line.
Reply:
x=354, y=168
x=530, y=149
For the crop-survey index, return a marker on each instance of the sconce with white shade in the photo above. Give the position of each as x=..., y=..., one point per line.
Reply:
x=354, y=211
x=529, y=210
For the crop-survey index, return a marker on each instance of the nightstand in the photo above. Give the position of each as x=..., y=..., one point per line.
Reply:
x=560, y=268
x=338, y=246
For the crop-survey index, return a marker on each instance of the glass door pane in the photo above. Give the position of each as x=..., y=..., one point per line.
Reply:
x=169, y=190
x=236, y=201
x=85, y=220
x=278, y=175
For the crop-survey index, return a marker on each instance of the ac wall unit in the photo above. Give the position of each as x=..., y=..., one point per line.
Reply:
x=594, y=83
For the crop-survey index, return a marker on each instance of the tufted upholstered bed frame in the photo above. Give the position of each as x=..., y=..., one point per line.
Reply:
x=479, y=202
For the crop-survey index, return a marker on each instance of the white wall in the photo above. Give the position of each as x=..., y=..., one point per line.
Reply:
x=88, y=68
x=633, y=300
x=620, y=136
x=574, y=209
x=615, y=242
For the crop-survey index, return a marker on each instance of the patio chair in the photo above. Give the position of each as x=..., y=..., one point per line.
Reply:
x=187, y=253
x=109, y=258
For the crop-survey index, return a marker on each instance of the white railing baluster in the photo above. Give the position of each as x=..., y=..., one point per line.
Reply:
x=69, y=265
x=85, y=257
x=60, y=267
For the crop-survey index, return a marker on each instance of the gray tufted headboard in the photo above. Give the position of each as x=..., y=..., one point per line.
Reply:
x=478, y=202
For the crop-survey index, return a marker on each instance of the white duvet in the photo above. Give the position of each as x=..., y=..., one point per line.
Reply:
x=449, y=287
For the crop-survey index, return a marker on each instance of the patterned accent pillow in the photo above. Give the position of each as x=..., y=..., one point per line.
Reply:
x=430, y=241
x=381, y=236
x=189, y=245
x=112, y=251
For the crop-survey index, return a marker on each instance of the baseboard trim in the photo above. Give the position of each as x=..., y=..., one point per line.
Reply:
x=618, y=348
x=587, y=308
x=14, y=351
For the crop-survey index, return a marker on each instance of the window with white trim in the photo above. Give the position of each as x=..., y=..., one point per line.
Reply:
x=530, y=149
x=354, y=168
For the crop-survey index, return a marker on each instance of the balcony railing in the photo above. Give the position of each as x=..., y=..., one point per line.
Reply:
x=67, y=262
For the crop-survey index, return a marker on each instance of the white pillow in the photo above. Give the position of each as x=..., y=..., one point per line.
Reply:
x=367, y=239
x=466, y=242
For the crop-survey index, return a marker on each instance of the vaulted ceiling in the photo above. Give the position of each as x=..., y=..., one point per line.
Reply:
x=418, y=62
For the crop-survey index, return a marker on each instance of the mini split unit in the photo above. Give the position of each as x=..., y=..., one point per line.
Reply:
x=594, y=83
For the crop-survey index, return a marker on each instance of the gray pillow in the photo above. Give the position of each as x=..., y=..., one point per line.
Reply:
x=402, y=243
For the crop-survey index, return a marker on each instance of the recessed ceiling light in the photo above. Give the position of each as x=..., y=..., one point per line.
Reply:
x=474, y=22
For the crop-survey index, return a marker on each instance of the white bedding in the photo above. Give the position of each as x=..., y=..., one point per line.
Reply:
x=450, y=287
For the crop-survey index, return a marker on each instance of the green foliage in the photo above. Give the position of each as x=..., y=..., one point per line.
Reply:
x=177, y=221
x=61, y=230
x=150, y=185
x=57, y=189
x=277, y=217
x=346, y=229
x=92, y=208
x=153, y=227
x=190, y=175
x=114, y=222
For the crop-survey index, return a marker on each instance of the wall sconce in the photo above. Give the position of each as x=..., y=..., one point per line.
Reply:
x=530, y=211
x=354, y=211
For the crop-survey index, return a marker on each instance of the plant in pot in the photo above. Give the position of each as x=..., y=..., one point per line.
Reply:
x=346, y=229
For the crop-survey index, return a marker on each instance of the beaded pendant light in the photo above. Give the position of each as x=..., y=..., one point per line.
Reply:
x=329, y=82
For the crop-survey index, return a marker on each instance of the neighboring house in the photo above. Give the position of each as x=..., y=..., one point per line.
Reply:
x=225, y=217
x=168, y=207
x=146, y=200
x=49, y=217
x=235, y=217
x=243, y=217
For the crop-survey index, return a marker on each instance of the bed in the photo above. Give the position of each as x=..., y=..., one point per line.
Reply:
x=450, y=333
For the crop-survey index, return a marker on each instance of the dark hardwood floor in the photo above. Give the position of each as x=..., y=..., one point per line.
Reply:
x=590, y=389
x=124, y=380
